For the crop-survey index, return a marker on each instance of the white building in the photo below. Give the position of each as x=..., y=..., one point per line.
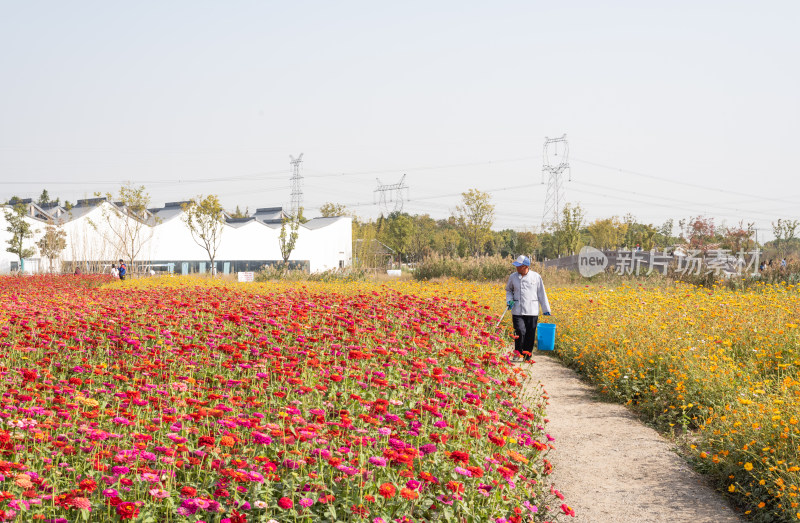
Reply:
x=162, y=241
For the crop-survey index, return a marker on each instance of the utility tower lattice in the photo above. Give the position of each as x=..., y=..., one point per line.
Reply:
x=556, y=162
x=297, y=187
x=390, y=196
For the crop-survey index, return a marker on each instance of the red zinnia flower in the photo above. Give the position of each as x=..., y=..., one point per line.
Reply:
x=127, y=510
x=285, y=503
x=387, y=490
x=459, y=457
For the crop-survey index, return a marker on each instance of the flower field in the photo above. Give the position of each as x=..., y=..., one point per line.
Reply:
x=183, y=400
x=724, y=365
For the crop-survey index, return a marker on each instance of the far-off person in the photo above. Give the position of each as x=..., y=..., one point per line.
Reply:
x=123, y=270
x=524, y=295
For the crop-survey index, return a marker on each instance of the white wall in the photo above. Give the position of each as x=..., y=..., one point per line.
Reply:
x=89, y=237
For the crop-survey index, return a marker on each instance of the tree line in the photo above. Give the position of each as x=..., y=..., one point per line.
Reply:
x=469, y=231
x=410, y=238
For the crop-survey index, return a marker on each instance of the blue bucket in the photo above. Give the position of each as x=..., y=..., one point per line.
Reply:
x=546, y=336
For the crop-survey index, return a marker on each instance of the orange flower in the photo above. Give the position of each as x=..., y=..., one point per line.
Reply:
x=23, y=481
x=408, y=493
x=387, y=490
x=226, y=441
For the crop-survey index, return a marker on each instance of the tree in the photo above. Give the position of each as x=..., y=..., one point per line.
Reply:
x=44, y=199
x=527, y=243
x=239, y=214
x=567, y=231
x=127, y=219
x=446, y=239
x=52, y=243
x=206, y=221
x=423, y=238
x=399, y=232
x=20, y=231
x=608, y=233
x=331, y=210
x=475, y=217
x=739, y=238
x=505, y=243
x=699, y=233
x=288, y=236
x=784, y=231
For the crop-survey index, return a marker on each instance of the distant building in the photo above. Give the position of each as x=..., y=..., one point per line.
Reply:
x=165, y=244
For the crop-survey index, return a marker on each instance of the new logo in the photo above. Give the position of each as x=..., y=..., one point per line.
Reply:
x=591, y=262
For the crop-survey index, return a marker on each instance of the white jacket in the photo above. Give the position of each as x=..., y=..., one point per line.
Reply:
x=528, y=293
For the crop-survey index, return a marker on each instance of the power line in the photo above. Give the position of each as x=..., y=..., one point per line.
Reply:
x=685, y=184
x=706, y=205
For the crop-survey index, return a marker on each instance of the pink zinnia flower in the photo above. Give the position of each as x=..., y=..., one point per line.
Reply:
x=306, y=502
x=255, y=477
x=159, y=493
x=378, y=461
x=82, y=503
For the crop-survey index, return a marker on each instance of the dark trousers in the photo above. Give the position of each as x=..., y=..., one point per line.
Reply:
x=525, y=329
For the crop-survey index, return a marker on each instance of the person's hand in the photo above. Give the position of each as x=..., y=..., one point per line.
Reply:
x=547, y=314
x=510, y=304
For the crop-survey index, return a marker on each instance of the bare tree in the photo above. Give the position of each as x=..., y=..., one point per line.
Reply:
x=127, y=220
x=784, y=231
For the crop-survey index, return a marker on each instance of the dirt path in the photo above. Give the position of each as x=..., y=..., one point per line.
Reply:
x=612, y=468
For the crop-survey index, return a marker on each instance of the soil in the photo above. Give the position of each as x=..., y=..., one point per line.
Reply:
x=610, y=467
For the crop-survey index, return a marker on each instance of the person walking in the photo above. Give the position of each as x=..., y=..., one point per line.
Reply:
x=524, y=295
x=123, y=270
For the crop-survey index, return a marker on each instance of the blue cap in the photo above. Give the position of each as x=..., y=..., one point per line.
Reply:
x=521, y=260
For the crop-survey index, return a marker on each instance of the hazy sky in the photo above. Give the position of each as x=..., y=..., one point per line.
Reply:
x=671, y=109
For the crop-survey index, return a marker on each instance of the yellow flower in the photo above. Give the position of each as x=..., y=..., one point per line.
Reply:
x=731, y=488
x=748, y=466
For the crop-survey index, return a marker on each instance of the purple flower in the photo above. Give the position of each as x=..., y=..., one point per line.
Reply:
x=463, y=472
x=428, y=448
x=263, y=439
x=378, y=461
x=413, y=484
x=110, y=493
